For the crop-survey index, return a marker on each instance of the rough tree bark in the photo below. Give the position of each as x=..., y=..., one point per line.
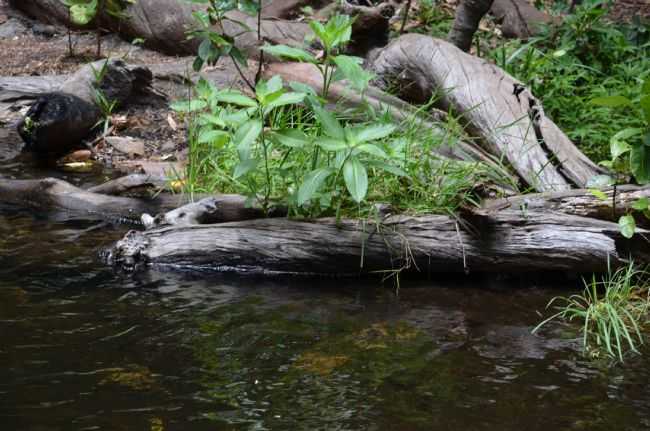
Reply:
x=509, y=240
x=466, y=21
x=496, y=107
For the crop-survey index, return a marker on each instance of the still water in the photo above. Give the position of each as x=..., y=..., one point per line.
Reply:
x=84, y=348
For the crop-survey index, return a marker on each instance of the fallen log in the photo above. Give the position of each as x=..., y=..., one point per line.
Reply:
x=497, y=108
x=509, y=240
x=618, y=201
x=60, y=197
x=520, y=19
x=164, y=24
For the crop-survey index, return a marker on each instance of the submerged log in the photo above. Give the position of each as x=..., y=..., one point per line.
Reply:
x=497, y=108
x=506, y=241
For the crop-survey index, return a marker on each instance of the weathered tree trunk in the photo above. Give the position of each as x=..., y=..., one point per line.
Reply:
x=510, y=240
x=60, y=197
x=496, y=107
x=576, y=202
x=164, y=24
x=519, y=18
x=468, y=15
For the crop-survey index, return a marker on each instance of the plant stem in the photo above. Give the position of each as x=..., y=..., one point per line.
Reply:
x=405, y=17
x=241, y=73
x=258, y=75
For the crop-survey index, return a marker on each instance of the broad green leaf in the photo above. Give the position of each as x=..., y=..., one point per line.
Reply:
x=321, y=33
x=205, y=50
x=312, y=183
x=285, y=99
x=372, y=149
x=244, y=167
x=213, y=136
x=640, y=163
x=356, y=179
x=645, y=88
x=83, y=13
x=235, y=98
x=289, y=52
x=645, y=107
x=188, y=106
x=611, y=101
x=331, y=125
x=627, y=225
x=339, y=30
x=213, y=119
x=599, y=194
x=600, y=181
x=290, y=138
x=618, y=147
x=245, y=136
x=395, y=170
x=263, y=89
x=372, y=132
x=353, y=72
x=331, y=144
x=641, y=204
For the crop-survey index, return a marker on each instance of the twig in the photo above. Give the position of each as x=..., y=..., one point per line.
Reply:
x=405, y=17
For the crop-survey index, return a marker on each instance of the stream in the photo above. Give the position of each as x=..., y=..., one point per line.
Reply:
x=84, y=348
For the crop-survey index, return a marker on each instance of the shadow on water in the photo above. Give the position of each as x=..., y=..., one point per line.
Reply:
x=85, y=348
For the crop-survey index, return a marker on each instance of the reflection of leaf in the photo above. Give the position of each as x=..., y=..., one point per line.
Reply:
x=627, y=225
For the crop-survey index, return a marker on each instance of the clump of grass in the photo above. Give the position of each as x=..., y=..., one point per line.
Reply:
x=612, y=312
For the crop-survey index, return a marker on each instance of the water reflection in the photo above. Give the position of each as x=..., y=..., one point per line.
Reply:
x=84, y=348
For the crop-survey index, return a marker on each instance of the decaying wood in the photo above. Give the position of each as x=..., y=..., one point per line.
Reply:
x=519, y=18
x=60, y=197
x=164, y=24
x=468, y=15
x=132, y=184
x=506, y=241
x=578, y=202
x=496, y=107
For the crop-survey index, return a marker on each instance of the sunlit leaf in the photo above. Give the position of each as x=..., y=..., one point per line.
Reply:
x=291, y=138
x=245, y=136
x=356, y=179
x=313, y=181
x=290, y=53
x=627, y=225
x=234, y=97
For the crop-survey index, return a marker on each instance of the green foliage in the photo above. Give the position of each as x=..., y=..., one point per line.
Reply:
x=333, y=36
x=611, y=312
x=583, y=59
x=215, y=44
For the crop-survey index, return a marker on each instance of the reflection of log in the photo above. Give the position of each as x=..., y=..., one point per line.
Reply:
x=509, y=240
x=496, y=108
x=59, y=197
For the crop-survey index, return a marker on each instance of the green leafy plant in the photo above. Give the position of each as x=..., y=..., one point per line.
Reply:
x=105, y=105
x=215, y=44
x=82, y=12
x=333, y=66
x=611, y=312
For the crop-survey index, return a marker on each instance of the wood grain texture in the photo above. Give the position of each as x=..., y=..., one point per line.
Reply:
x=496, y=107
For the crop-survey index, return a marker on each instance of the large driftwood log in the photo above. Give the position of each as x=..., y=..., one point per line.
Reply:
x=496, y=107
x=510, y=240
